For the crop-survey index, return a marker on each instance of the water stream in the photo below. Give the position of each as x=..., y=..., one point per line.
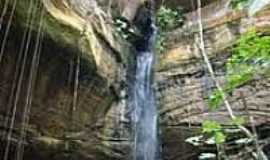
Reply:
x=144, y=116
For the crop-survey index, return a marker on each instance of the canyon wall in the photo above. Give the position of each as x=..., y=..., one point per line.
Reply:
x=183, y=83
x=79, y=45
x=91, y=123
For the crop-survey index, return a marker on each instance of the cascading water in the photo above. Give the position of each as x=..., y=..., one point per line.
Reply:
x=144, y=115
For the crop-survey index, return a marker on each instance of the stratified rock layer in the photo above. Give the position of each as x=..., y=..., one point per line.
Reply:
x=183, y=83
x=61, y=124
x=97, y=128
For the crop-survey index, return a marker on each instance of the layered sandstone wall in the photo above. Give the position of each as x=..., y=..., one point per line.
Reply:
x=57, y=130
x=98, y=128
x=183, y=83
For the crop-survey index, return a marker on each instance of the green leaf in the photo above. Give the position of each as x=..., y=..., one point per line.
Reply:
x=250, y=57
x=238, y=121
x=215, y=99
x=210, y=126
x=219, y=137
x=238, y=79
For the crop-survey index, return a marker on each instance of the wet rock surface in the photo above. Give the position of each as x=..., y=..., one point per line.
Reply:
x=98, y=129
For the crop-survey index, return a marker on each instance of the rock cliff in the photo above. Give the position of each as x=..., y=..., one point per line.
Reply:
x=80, y=77
x=183, y=83
x=79, y=98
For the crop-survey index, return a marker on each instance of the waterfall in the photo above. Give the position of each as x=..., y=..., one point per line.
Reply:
x=142, y=101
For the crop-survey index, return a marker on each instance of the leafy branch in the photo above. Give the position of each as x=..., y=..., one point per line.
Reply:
x=250, y=57
x=247, y=55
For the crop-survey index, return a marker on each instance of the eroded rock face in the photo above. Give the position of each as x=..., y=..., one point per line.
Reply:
x=183, y=82
x=62, y=125
x=97, y=127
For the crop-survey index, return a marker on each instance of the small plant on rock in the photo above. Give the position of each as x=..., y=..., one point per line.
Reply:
x=238, y=4
x=167, y=19
x=250, y=58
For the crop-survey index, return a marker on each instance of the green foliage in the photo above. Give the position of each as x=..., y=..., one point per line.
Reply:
x=214, y=130
x=250, y=57
x=251, y=49
x=124, y=29
x=166, y=20
x=215, y=99
x=238, y=4
x=219, y=137
x=238, y=121
x=210, y=126
x=160, y=43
